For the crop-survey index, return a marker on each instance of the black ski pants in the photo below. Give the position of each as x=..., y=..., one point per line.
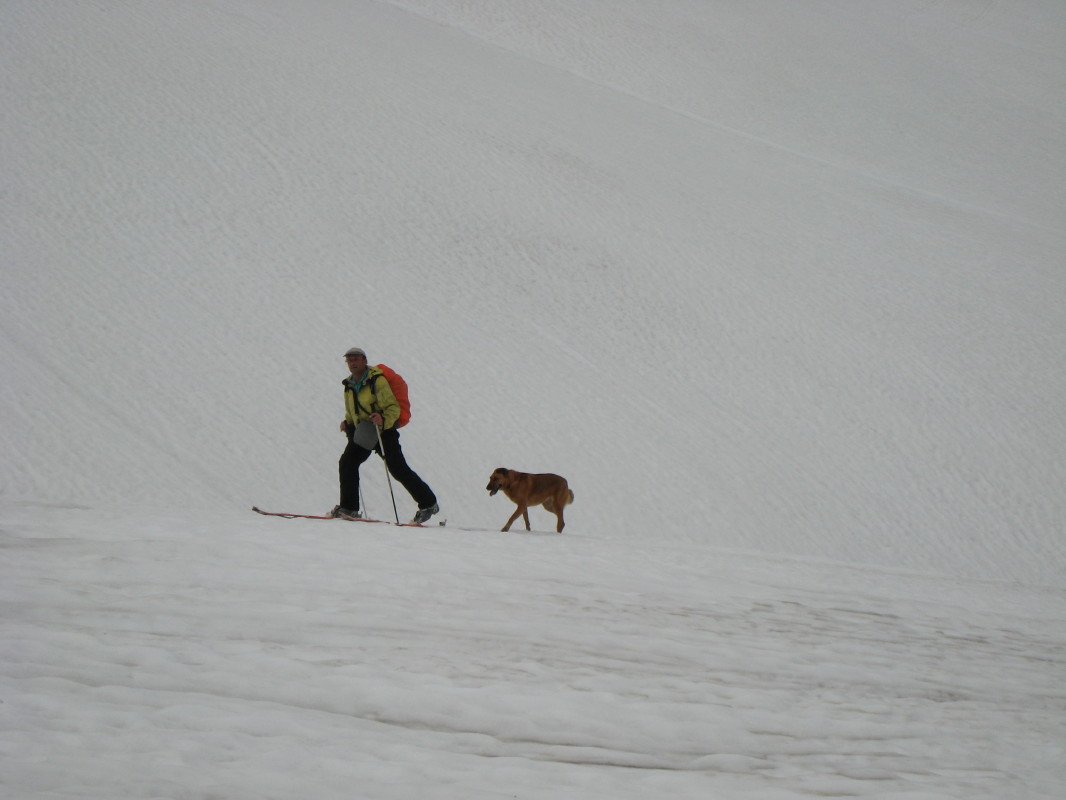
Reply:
x=354, y=455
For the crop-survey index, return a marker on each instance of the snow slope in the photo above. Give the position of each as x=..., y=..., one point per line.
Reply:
x=860, y=355
x=781, y=322
x=226, y=655
x=777, y=286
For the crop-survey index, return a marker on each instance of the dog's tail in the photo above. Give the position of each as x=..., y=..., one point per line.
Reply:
x=549, y=504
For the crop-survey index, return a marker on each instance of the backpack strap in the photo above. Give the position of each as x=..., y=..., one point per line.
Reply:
x=371, y=382
x=348, y=387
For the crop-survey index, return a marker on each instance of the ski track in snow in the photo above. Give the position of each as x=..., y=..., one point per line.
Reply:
x=874, y=178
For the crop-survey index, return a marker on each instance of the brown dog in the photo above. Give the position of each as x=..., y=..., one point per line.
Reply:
x=525, y=489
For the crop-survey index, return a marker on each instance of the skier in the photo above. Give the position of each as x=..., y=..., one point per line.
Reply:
x=371, y=413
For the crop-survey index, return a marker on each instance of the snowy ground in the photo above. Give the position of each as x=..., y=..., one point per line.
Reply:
x=207, y=656
x=777, y=286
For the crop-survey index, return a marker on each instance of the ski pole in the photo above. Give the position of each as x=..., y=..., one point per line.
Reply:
x=388, y=477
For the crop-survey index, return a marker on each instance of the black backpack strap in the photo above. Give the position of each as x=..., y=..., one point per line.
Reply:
x=371, y=381
x=355, y=394
x=372, y=384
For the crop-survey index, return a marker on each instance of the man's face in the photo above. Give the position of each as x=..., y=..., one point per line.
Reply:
x=356, y=364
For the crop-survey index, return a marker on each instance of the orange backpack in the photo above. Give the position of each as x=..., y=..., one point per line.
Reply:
x=399, y=389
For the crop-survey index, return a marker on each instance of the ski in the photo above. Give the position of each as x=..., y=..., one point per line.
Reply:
x=436, y=525
x=287, y=515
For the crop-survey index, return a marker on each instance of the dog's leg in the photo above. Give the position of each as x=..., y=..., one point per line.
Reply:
x=514, y=516
x=556, y=505
x=525, y=516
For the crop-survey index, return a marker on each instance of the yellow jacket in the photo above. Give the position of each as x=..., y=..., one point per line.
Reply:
x=372, y=394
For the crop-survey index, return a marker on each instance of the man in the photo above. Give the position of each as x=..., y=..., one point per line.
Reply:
x=370, y=414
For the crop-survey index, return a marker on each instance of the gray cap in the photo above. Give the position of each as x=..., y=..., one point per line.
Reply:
x=355, y=351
